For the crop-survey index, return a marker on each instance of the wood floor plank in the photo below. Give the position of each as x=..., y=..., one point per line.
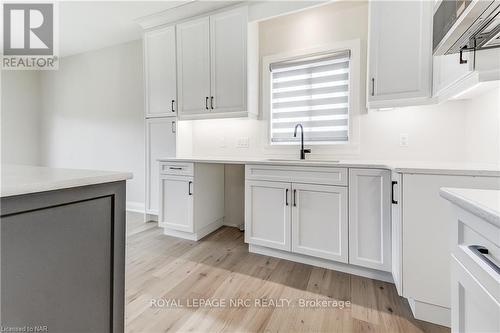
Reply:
x=219, y=268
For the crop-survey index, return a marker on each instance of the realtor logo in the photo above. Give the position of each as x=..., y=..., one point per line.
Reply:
x=29, y=36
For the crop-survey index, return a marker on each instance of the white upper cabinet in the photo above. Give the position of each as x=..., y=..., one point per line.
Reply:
x=212, y=65
x=228, y=46
x=319, y=221
x=399, y=53
x=160, y=72
x=449, y=71
x=193, y=66
x=370, y=218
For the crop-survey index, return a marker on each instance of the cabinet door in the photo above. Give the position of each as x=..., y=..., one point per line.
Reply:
x=228, y=40
x=193, y=66
x=370, y=218
x=319, y=221
x=473, y=308
x=400, y=53
x=396, y=232
x=160, y=142
x=54, y=256
x=448, y=72
x=160, y=72
x=176, y=210
x=267, y=214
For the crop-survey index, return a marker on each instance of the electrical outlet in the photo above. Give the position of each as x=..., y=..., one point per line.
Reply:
x=403, y=140
x=243, y=142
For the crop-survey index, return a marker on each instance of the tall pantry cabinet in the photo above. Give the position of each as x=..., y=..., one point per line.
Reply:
x=160, y=92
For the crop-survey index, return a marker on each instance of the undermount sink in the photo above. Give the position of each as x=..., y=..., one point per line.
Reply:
x=299, y=160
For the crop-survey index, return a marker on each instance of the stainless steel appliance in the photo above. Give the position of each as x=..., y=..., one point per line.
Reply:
x=460, y=25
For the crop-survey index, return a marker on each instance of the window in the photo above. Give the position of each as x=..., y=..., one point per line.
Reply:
x=313, y=91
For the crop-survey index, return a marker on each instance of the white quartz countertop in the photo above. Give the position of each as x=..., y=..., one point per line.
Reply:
x=24, y=179
x=482, y=203
x=420, y=167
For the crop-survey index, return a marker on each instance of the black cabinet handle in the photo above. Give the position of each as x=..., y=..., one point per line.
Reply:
x=394, y=202
x=175, y=168
x=212, y=102
x=206, y=103
x=173, y=126
x=294, y=198
x=373, y=86
x=189, y=188
x=172, y=105
x=480, y=251
x=286, y=197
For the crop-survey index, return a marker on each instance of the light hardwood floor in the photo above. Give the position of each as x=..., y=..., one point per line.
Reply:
x=219, y=267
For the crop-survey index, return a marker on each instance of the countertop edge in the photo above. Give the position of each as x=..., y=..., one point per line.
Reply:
x=347, y=164
x=55, y=185
x=471, y=206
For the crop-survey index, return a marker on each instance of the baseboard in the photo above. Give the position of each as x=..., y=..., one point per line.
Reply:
x=336, y=266
x=429, y=312
x=194, y=236
x=135, y=206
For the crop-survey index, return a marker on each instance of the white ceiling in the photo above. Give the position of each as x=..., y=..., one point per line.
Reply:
x=91, y=25
x=86, y=25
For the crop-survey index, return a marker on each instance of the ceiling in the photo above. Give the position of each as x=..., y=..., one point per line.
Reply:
x=90, y=25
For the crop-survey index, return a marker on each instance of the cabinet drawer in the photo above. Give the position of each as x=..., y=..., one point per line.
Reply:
x=473, y=236
x=297, y=174
x=474, y=308
x=176, y=168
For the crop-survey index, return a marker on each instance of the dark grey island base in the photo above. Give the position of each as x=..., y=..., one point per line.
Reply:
x=63, y=259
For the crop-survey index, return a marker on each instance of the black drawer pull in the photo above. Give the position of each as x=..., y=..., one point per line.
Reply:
x=394, y=202
x=175, y=168
x=294, y=198
x=286, y=197
x=480, y=251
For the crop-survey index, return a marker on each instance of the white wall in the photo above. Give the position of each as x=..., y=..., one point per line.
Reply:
x=93, y=113
x=20, y=117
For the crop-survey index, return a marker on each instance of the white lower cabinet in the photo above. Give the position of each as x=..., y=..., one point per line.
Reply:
x=284, y=211
x=267, y=214
x=319, y=221
x=191, y=199
x=397, y=232
x=370, y=218
x=177, y=203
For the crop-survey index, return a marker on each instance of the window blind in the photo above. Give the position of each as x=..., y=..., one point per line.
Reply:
x=312, y=91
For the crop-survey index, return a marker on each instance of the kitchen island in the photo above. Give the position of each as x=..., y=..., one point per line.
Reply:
x=62, y=241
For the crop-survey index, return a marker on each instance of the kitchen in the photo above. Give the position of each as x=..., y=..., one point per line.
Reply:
x=203, y=107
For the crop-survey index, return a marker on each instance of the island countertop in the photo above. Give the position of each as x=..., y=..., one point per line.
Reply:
x=482, y=203
x=417, y=167
x=25, y=179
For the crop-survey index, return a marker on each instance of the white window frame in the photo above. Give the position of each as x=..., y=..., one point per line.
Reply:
x=355, y=103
